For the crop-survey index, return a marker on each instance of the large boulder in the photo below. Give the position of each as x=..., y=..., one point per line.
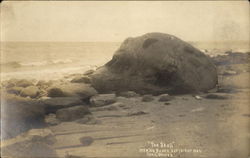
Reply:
x=156, y=63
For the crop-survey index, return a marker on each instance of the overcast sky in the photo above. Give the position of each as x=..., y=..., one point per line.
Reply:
x=115, y=21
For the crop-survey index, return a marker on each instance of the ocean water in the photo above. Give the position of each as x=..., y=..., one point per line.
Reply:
x=53, y=60
x=49, y=60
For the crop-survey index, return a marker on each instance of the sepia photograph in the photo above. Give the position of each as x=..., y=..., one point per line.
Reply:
x=125, y=79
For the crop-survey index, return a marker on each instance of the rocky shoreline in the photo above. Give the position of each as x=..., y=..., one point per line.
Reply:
x=30, y=108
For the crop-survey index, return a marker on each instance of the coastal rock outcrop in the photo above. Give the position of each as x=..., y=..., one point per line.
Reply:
x=156, y=63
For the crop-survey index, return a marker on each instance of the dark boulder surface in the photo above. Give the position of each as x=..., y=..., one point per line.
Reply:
x=156, y=63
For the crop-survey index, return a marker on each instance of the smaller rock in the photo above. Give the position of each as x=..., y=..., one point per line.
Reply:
x=24, y=83
x=229, y=72
x=10, y=83
x=76, y=90
x=227, y=90
x=216, y=96
x=147, y=98
x=15, y=90
x=181, y=115
x=137, y=113
x=72, y=113
x=54, y=104
x=118, y=104
x=81, y=79
x=165, y=97
x=52, y=120
x=246, y=115
x=166, y=103
x=30, y=91
x=86, y=141
x=129, y=94
x=106, y=108
x=73, y=156
x=102, y=99
x=55, y=92
x=198, y=109
x=197, y=97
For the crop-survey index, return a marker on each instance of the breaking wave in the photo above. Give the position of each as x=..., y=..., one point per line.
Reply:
x=16, y=64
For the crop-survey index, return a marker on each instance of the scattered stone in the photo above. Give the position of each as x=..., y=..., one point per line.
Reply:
x=147, y=98
x=105, y=108
x=197, y=97
x=216, y=96
x=72, y=113
x=73, y=156
x=81, y=79
x=30, y=91
x=129, y=94
x=184, y=98
x=227, y=90
x=229, y=72
x=165, y=97
x=246, y=115
x=137, y=113
x=55, y=92
x=45, y=84
x=181, y=115
x=198, y=109
x=54, y=104
x=15, y=90
x=51, y=120
x=102, y=99
x=77, y=89
x=10, y=83
x=151, y=63
x=24, y=83
x=86, y=141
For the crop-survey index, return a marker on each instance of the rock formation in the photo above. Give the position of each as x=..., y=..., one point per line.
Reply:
x=156, y=63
